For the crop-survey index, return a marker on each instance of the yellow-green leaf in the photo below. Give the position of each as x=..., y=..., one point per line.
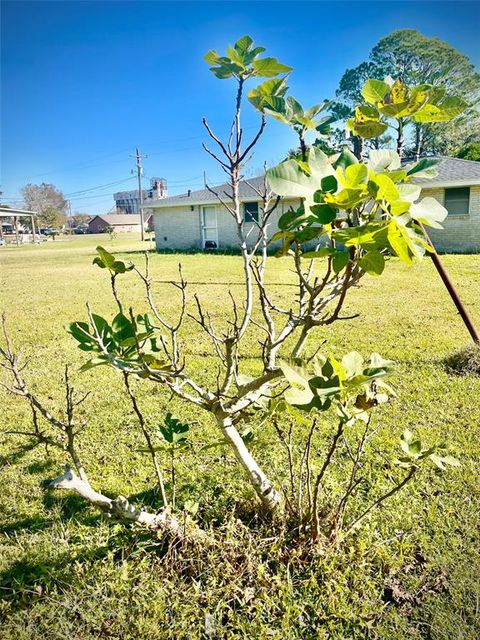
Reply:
x=374, y=91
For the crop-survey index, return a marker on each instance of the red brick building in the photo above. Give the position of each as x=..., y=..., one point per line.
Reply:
x=119, y=222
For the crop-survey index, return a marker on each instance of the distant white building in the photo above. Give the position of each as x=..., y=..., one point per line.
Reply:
x=129, y=202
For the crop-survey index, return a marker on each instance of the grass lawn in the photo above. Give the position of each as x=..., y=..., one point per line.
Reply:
x=67, y=572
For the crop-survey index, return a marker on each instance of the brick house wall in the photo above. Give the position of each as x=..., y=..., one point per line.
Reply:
x=177, y=228
x=460, y=233
x=180, y=228
x=97, y=225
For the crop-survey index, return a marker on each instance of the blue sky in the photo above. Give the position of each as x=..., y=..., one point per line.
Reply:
x=83, y=83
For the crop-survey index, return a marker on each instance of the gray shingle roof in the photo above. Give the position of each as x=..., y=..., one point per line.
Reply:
x=121, y=218
x=449, y=170
x=204, y=196
x=452, y=169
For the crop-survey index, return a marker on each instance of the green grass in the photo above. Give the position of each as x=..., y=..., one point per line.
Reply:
x=66, y=572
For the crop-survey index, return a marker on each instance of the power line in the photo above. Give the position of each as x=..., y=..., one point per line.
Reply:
x=101, y=186
x=94, y=197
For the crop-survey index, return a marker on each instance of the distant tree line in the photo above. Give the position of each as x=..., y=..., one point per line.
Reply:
x=48, y=202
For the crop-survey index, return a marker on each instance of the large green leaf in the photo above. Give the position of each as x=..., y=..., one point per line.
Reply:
x=445, y=110
x=122, y=328
x=288, y=179
x=329, y=184
x=429, y=211
x=409, y=192
x=321, y=253
x=344, y=159
x=424, y=168
x=366, y=123
x=299, y=392
x=346, y=198
x=277, y=108
x=243, y=44
x=404, y=241
x=105, y=259
x=399, y=207
x=354, y=175
x=80, y=331
x=322, y=125
x=324, y=213
x=269, y=67
x=340, y=260
x=290, y=219
x=211, y=57
x=374, y=91
x=295, y=107
x=353, y=364
x=377, y=363
x=417, y=98
x=225, y=71
x=96, y=362
x=236, y=57
x=399, y=244
x=266, y=91
x=316, y=109
x=373, y=262
x=364, y=235
x=121, y=266
x=309, y=233
x=387, y=189
x=383, y=160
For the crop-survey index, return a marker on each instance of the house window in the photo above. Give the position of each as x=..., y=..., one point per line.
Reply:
x=457, y=201
x=251, y=211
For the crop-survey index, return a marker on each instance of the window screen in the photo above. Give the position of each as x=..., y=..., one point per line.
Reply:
x=457, y=201
x=251, y=211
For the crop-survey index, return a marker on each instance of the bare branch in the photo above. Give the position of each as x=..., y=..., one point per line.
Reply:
x=221, y=200
x=215, y=157
x=249, y=147
x=216, y=139
x=148, y=440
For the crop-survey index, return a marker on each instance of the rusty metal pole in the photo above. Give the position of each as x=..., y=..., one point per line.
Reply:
x=15, y=222
x=33, y=229
x=451, y=289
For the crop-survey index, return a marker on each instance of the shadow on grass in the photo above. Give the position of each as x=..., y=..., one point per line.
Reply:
x=64, y=509
x=17, y=455
x=30, y=579
x=66, y=505
x=26, y=579
x=30, y=525
x=41, y=467
x=183, y=252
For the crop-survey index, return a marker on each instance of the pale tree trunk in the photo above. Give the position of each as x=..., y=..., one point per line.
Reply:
x=268, y=495
x=121, y=508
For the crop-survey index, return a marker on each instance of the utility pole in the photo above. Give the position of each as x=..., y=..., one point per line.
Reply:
x=138, y=158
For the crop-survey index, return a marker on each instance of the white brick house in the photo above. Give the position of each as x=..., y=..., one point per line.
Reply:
x=457, y=187
x=196, y=220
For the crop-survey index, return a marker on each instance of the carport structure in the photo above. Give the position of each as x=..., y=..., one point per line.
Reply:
x=15, y=214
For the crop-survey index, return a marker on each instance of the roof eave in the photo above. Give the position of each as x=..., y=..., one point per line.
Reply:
x=196, y=203
x=445, y=184
x=428, y=184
